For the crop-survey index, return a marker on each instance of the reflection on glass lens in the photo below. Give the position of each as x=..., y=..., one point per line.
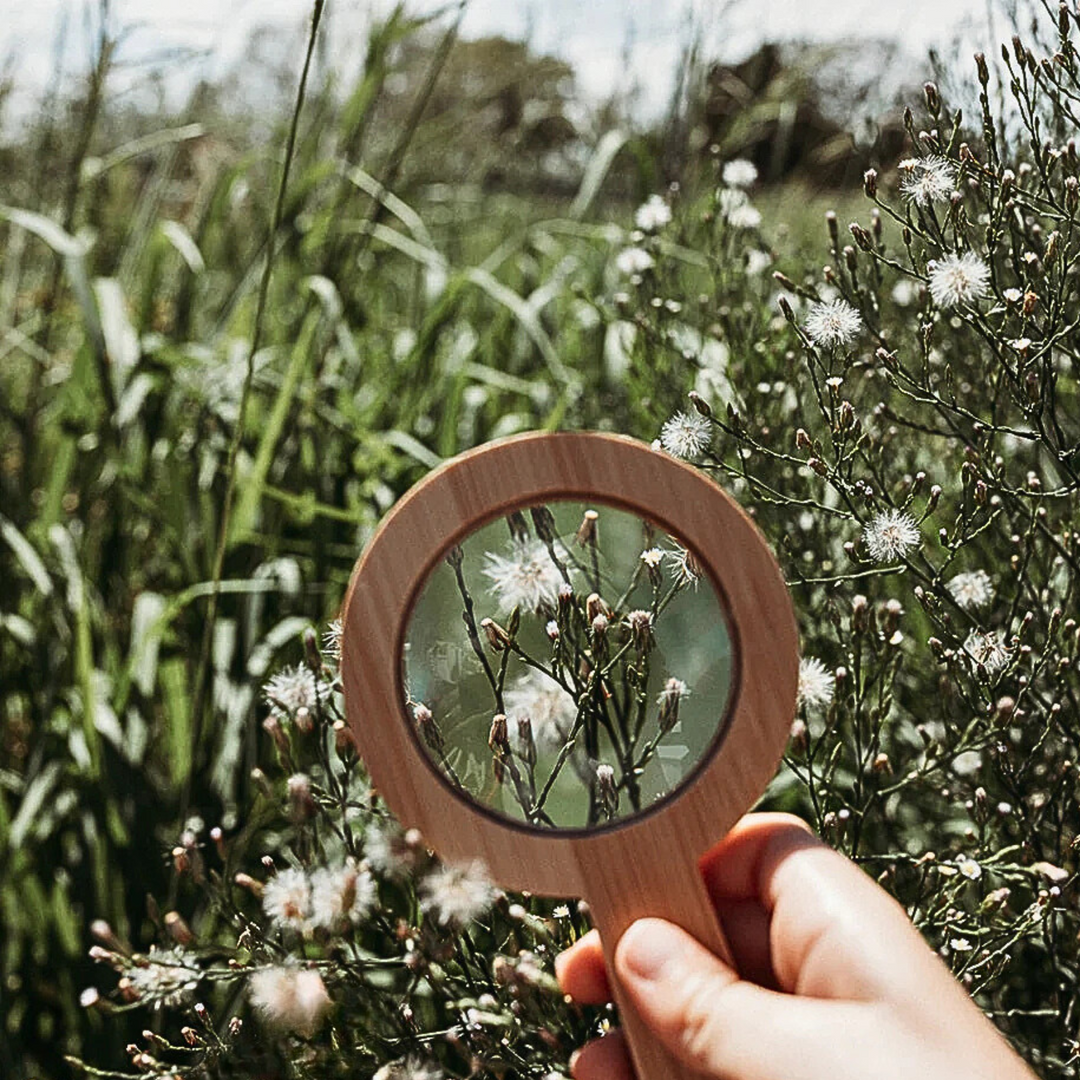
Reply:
x=567, y=665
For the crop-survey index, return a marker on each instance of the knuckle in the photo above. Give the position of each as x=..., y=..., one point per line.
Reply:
x=699, y=1028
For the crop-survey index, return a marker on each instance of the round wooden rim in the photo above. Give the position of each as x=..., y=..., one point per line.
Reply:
x=524, y=470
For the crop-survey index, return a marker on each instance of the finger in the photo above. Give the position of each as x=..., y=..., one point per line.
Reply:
x=833, y=932
x=746, y=926
x=731, y=868
x=721, y=1025
x=606, y=1058
x=582, y=973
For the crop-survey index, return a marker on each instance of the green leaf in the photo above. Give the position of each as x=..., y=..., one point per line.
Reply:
x=609, y=145
x=27, y=557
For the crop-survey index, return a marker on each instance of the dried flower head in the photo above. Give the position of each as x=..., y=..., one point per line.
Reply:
x=525, y=578
x=291, y=998
x=332, y=640
x=833, y=323
x=958, y=279
x=292, y=689
x=987, y=649
x=684, y=566
x=287, y=899
x=167, y=979
x=343, y=895
x=890, y=534
x=686, y=435
x=927, y=180
x=816, y=682
x=971, y=589
x=456, y=894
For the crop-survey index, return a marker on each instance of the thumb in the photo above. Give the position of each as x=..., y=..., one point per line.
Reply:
x=720, y=1025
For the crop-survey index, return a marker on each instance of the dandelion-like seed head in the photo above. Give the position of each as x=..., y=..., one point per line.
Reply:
x=332, y=640
x=971, y=589
x=927, y=180
x=341, y=895
x=833, y=323
x=455, y=894
x=551, y=709
x=816, y=683
x=291, y=998
x=168, y=980
x=652, y=214
x=526, y=578
x=744, y=217
x=390, y=851
x=988, y=649
x=890, y=534
x=633, y=260
x=686, y=435
x=958, y=279
x=292, y=689
x=287, y=899
x=739, y=173
x=684, y=566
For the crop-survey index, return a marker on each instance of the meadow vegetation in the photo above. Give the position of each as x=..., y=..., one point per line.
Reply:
x=229, y=344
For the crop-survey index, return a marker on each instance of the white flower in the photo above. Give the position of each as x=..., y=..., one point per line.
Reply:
x=390, y=851
x=345, y=894
x=971, y=589
x=652, y=557
x=686, y=568
x=294, y=688
x=410, y=1068
x=904, y=292
x=674, y=691
x=560, y=911
x=744, y=217
x=816, y=682
x=731, y=199
x=527, y=578
x=757, y=262
x=168, y=979
x=960, y=944
x=835, y=322
x=291, y=998
x=927, y=180
x=633, y=260
x=551, y=709
x=969, y=868
x=739, y=173
x=454, y=895
x=287, y=899
x=686, y=435
x=653, y=214
x=987, y=649
x=958, y=279
x=890, y=534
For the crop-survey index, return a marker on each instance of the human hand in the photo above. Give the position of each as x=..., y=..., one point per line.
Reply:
x=833, y=981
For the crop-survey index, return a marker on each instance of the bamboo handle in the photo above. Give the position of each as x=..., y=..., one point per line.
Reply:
x=678, y=894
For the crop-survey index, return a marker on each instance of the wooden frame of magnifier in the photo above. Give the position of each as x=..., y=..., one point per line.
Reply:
x=643, y=865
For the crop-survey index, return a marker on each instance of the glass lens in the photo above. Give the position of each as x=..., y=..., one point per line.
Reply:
x=568, y=665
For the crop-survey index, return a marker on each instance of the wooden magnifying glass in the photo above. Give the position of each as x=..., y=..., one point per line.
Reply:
x=589, y=806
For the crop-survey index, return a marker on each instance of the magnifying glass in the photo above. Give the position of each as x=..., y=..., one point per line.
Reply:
x=573, y=657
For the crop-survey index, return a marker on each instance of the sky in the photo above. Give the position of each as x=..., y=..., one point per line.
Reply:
x=609, y=42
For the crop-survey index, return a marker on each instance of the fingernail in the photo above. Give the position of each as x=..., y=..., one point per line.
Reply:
x=574, y=1057
x=649, y=946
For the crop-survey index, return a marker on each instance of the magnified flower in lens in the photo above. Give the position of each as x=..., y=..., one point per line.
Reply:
x=526, y=578
x=551, y=709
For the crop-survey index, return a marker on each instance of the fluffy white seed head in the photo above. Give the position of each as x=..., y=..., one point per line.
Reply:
x=686, y=435
x=890, y=534
x=816, y=682
x=833, y=323
x=958, y=279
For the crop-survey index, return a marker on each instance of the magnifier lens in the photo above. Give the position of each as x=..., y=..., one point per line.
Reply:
x=567, y=666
